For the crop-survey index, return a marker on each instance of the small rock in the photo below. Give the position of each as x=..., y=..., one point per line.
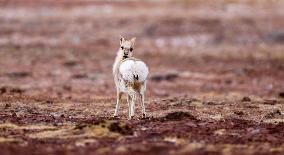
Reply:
x=276, y=36
x=166, y=77
x=228, y=81
x=273, y=114
x=79, y=76
x=3, y=90
x=253, y=131
x=269, y=101
x=67, y=87
x=150, y=29
x=17, y=90
x=281, y=94
x=48, y=101
x=240, y=113
x=246, y=99
x=20, y=74
x=191, y=124
x=209, y=103
x=85, y=142
x=70, y=63
x=220, y=132
x=7, y=105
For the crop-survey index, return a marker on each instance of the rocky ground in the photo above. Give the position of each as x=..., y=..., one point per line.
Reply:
x=215, y=86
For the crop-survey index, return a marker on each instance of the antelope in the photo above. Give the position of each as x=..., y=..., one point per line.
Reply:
x=130, y=77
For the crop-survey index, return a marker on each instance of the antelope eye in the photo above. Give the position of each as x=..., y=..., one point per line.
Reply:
x=131, y=49
x=122, y=47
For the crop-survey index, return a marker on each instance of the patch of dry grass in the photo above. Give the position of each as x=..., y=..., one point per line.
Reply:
x=10, y=140
x=90, y=131
x=12, y=126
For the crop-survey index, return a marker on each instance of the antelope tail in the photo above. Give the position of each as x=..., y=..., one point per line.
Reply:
x=135, y=77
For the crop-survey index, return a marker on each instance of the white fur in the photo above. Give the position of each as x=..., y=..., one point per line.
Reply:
x=129, y=68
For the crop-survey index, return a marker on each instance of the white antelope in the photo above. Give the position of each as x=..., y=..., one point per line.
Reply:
x=130, y=77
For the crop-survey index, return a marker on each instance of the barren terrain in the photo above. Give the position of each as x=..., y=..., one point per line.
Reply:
x=215, y=87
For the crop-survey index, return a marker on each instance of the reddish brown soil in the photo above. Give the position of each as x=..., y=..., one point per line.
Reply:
x=216, y=83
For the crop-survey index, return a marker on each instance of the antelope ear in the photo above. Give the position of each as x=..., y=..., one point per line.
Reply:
x=133, y=41
x=121, y=39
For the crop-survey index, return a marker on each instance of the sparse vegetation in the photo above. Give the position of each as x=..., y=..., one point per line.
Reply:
x=215, y=84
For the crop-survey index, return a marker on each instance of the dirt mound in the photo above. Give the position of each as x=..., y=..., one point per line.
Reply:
x=179, y=115
x=121, y=128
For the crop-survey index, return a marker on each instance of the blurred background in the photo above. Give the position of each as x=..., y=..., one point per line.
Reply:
x=65, y=48
x=215, y=86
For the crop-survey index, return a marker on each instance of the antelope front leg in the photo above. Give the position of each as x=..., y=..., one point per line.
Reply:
x=142, y=105
x=131, y=102
x=129, y=106
x=119, y=94
x=133, y=105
